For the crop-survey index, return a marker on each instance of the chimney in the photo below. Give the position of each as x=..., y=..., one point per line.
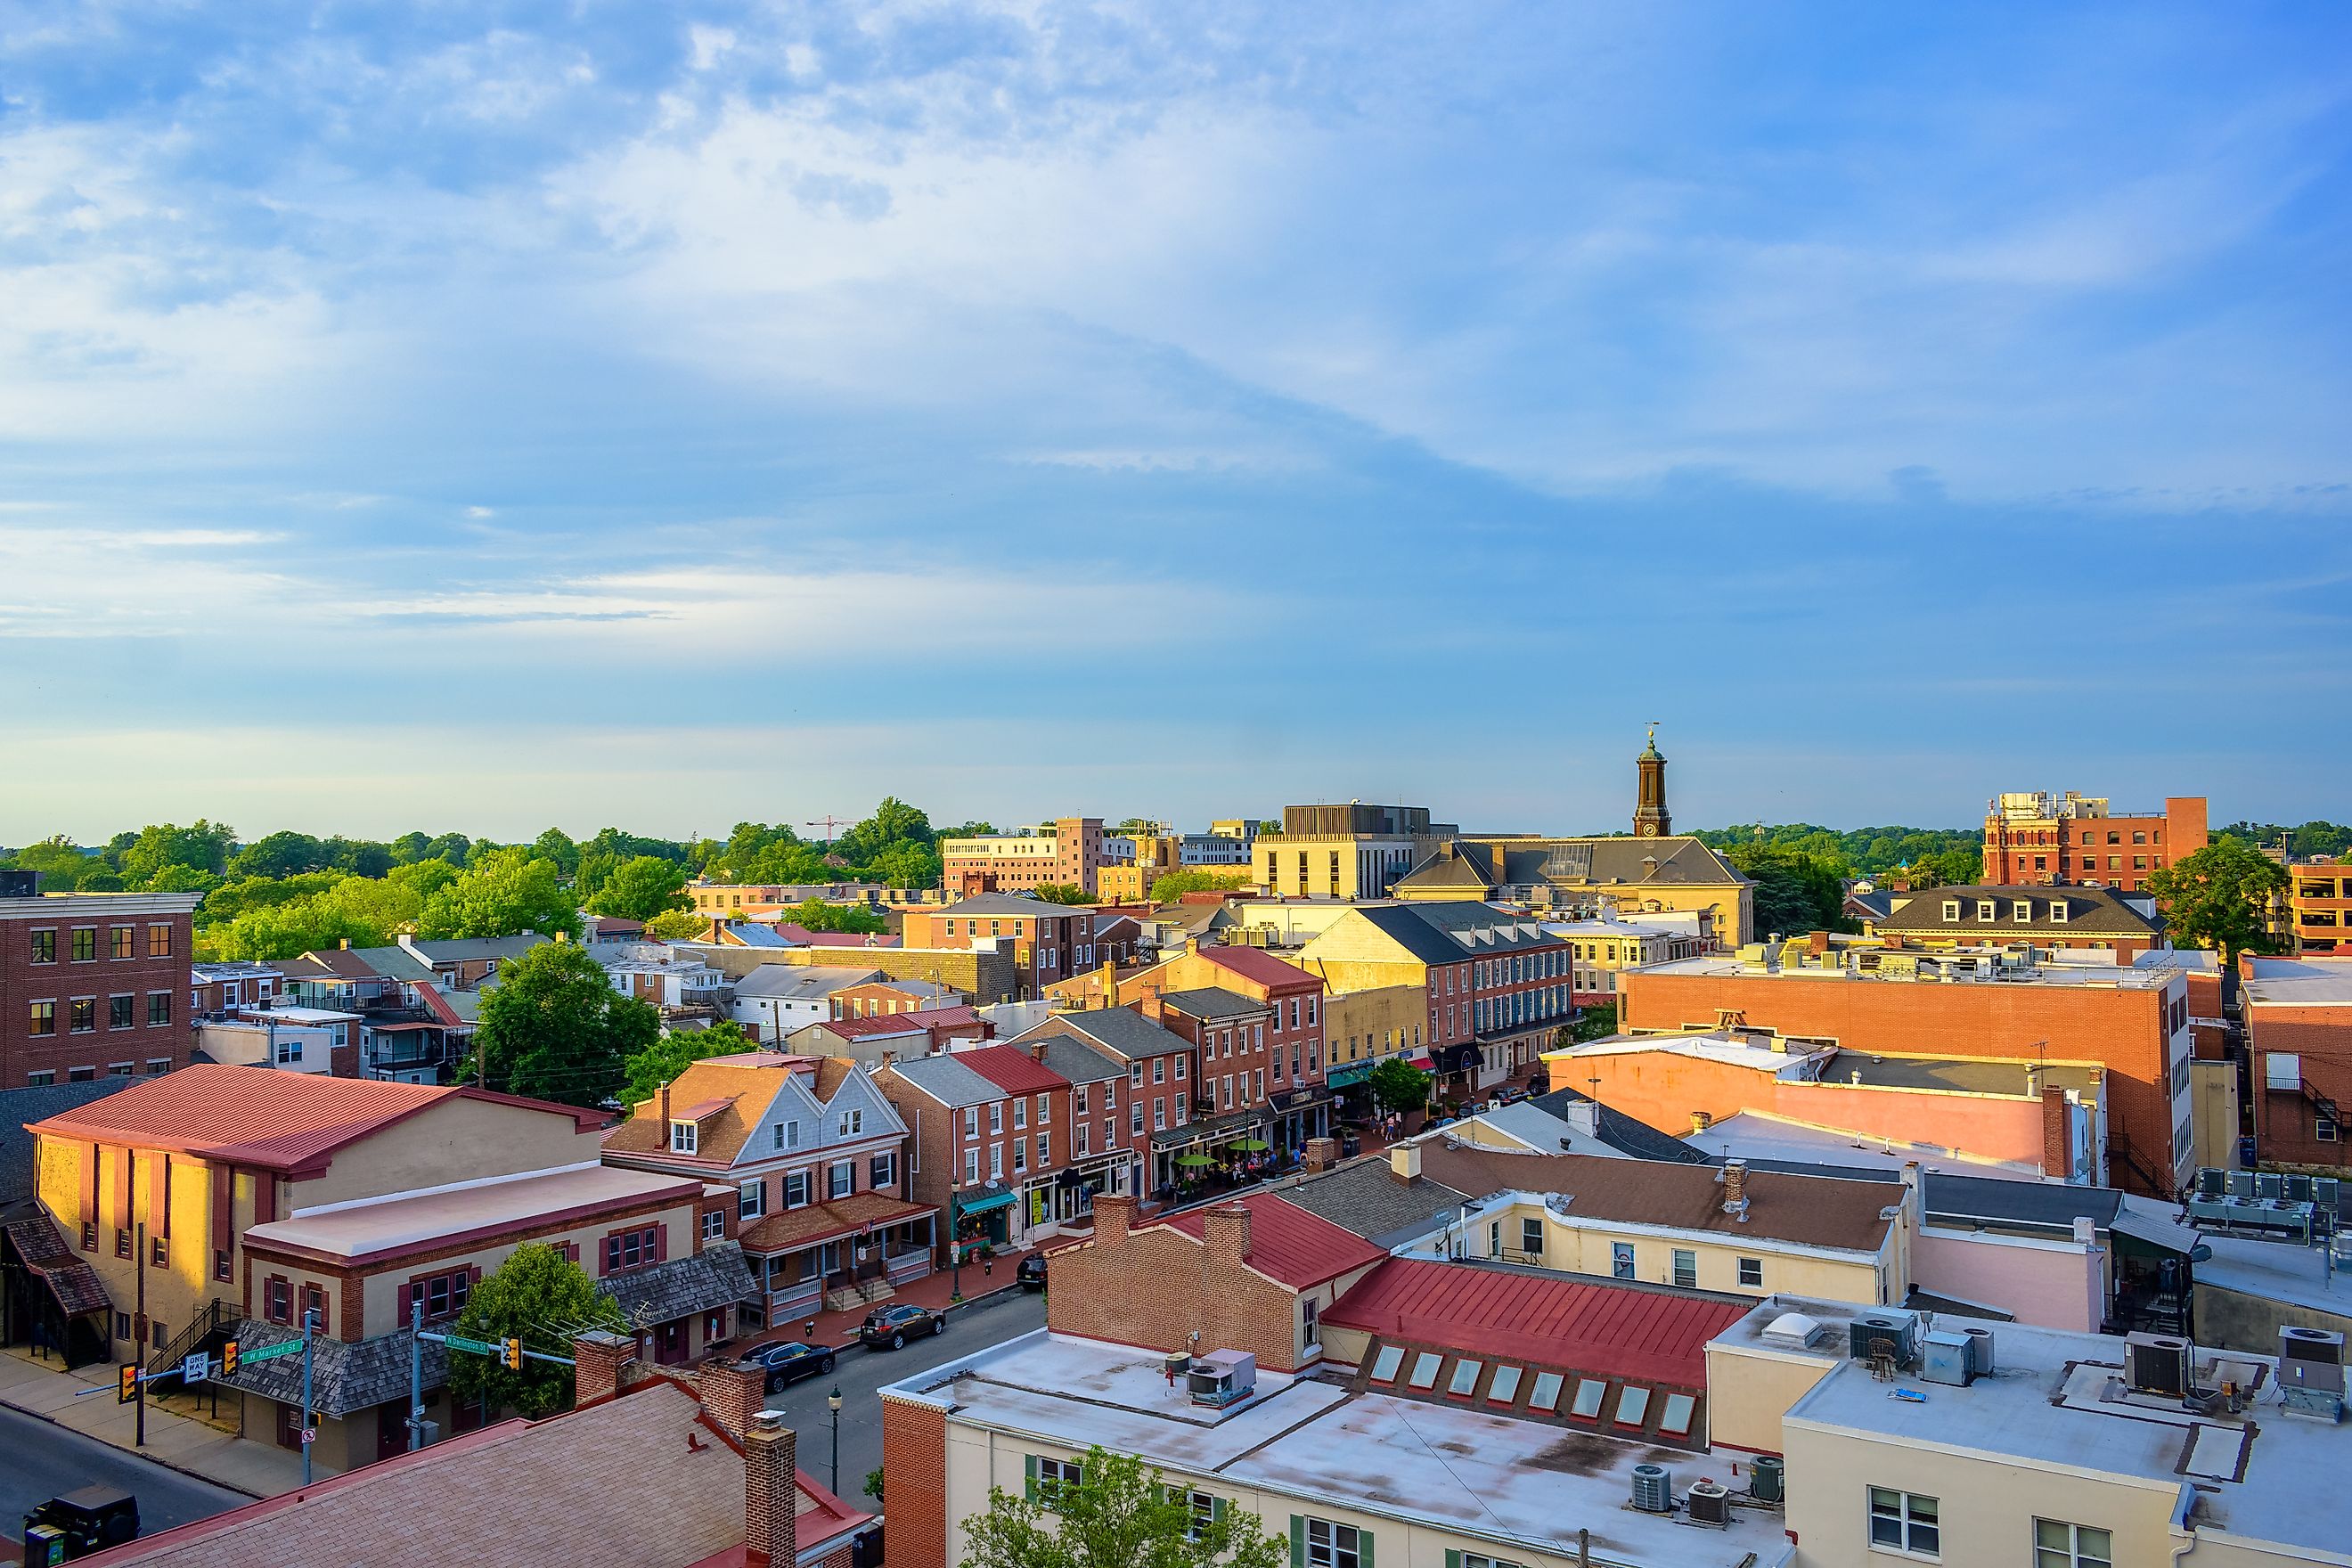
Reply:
x=1735, y=1188
x=599, y=1354
x=889, y=1058
x=1109, y=983
x=1700, y=1122
x=1192, y=946
x=664, y=1115
x=1914, y=1195
x=1037, y=1052
x=1114, y=1217
x=770, y=1488
x=2057, y=1134
x=1817, y=943
x=1404, y=1162
x=1226, y=1228
x=345, y=944
x=1322, y=1154
x=733, y=1392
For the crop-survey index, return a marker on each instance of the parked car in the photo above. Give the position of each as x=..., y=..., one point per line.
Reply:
x=789, y=1361
x=80, y=1523
x=892, y=1327
x=1031, y=1274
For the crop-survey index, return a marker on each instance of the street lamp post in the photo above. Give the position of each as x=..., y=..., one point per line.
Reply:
x=955, y=1240
x=833, y=1403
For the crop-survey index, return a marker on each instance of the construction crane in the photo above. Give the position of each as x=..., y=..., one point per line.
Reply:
x=829, y=823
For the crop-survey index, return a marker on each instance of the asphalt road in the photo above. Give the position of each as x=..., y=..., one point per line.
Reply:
x=861, y=1373
x=38, y=1460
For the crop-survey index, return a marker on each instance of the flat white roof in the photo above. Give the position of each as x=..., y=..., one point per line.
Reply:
x=2108, y=975
x=1500, y=1477
x=1758, y=1135
x=2300, y=981
x=297, y=1015
x=1731, y=1050
x=2276, y=1271
x=360, y=1229
x=2056, y=1402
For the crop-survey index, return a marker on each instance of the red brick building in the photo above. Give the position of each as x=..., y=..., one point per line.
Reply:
x=1048, y=942
x=1069, y=852
x=2040, y=839
x=2132, y=1023
x=2298, y=1015
x=91, y=985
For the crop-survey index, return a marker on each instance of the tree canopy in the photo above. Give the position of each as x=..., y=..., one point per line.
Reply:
x=1061, y=893
x=2220, y=898
x=1795, y=891
x=1176, y=884
x=816, y=914
x=641, y=887
x=1958, y=852
x=544, y=1299
x=501, y=893
x=1117, y=1514
x=674, y=1052
x=555, y=1028
x=1398, y=1086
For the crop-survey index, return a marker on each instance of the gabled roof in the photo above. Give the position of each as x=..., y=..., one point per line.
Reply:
x=1121, y=1029
x=1365, y=1196
x=801, y=982
x=1211, y=1002
x=1260, y=967
x=1012, y=1070
x=740, y=1087
x=2089, y=912
x=1287, y=1245
x=1080, y=1062
x=946, y=1078
x=1611, y=860
x=261, y=1117
x=1621, y=1330
x=1619, y=1131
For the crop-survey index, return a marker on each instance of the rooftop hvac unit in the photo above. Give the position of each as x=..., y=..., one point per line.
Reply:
x=2158, y=1363
x=2312, y=1359
x=1980, y=1352
x=1709, y=1503
x=2211, y=1182
x=2298, y=1189
x=1898, y=1330
x=1766, y=1478
x=1222, y=1378
x=2241, y=1183
x=1946, y=1358
x=1653, y=1489
x=2269, y=1185
x=2325, y=1191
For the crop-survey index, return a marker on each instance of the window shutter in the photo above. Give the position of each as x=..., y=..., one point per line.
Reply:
x=1030, y=1462
x=1364, y=1548
x=1453, y=1558
x=661, y=1242
x=1298, y=1541
x=1216, y=1511
x=404, y=1294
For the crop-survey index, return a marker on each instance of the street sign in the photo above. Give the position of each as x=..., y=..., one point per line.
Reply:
x=268, y=1353
x=479, y=1347
x=310, y=1435
x=195, y=1368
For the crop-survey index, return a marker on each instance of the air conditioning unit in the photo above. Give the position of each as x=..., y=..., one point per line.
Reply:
x=1710, y=1502
x=1767, y=1479
x=1980, y=1352
x=1946, y=1359
x=2311, y=1358
x=2158, y=1363
x=1898, y=1329
x=1653, y=1489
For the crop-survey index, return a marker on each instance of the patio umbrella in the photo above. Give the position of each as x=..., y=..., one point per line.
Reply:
x=1252, y=1145
x=1194, y=1160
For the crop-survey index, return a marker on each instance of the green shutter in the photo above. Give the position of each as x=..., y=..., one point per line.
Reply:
x=1364, y=1548
x=1216, y=1511
x=1453, y=1558
x=1298, y=1541
x=1030, y=1461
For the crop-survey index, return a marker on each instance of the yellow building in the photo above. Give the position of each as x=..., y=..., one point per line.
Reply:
x=1368, y=1026
x=1575, y=876
x=1352, y=851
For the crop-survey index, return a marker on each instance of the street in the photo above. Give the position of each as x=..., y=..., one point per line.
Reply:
x=861, y=1375
x=42, y=1460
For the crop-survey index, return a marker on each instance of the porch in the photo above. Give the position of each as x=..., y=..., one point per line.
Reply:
x=859, y=1248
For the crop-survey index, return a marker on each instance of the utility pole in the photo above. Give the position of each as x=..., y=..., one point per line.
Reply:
x=308, y=1316
x=415, y=1377
x=139, y=1324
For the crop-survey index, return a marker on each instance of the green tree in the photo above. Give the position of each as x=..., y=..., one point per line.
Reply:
x=206, y=846
x=1176, y=884
x=1398, y=1086
x=673, y=1053
x=503, y=892
x=60, y=861
x=1598, y=1023
x=816, y=914
x=555, y=1028
x=182, y=880
x=1117, y=1514
x=544, y=1299
x=281, y=853
x=1795, y=892
x=642, y=888
x=1061, y=893
x=893, y=822
x=906, y=864
x=556, y=845
x=2220, y=898
x=678, y=925
x=424, y=877
x=965, y=830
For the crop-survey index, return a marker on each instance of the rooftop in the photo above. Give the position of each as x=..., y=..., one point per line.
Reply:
x=388, y=1226
x=2300, y=981
x=1766, y=1141
x=2109, y=976
x=1259, y=967
x=800, y=981
x=1733, y=1049
x=1504, y=1478
x=1365, y=1196
x=1013, y=1070
x=1016, y=904
x=1122, y=1029
x=1212, y=1002
x=1288, y=1244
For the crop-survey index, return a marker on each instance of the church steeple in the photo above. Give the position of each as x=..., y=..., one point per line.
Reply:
x=1651, y=818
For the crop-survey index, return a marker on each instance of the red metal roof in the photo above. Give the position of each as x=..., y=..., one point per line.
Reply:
x=1261, y=967
x=1011, y=1070
x=1590, y=1326
x=1288, y=1244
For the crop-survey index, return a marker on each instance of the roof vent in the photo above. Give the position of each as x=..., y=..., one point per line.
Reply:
x=1793, y=1330
x=1653, y=1489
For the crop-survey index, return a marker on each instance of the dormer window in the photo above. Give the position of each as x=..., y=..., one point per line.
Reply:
x=681, y=1138
x=2058, y=911
x=2021, y=911
x=853, y=1122
x=1952, y=908
x=1984, y=909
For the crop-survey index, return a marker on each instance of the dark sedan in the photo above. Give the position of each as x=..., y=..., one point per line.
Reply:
x=891, y=1327
x=791, y=1360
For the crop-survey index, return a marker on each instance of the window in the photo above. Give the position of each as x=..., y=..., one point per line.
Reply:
x=996, y=1161
x=1904, y=1521
x=1952, y=908
x=159, y=1009
x=796, y=1189
x=1531, y=1237
x=882, y=1170
x=1546, y=1394
x=1078, y=1098
x=1620, y=1259
x=1504, y=1386
x=44, y=1019
x=1330, y=1545
x=222, y=1267
x=1589, y=1392
x=1180, y=1067
x=1044, y=1149
x=1676, y=1420
x=786, y=1134
x=1046, y=1477
x=1083, y=1146
x=277, y=1298
x=681, y=1138
x=442, y=1295
x=1478, y=1560
x=1206, y=1511
x=995, y=1116
x=1045, y=1110
x=1466, y=1377
x=2021, y=912
x=290, y=1050
x=632, y=1248
x=2057, y=1544
x=971, y=1167
x=1424, y=1370
x=1632, y=1405
x=840, y=1178
x=118, y=942
x=853, y=1122
x=44, y=947
x=1685, y=1267
x=972, y=1120
x=85, y=944
x=714, y=1225
x=750, y=1200
x=1751, y=1271
x=83, y=1015
x=159, y=942
x=41, y=1079
x=2058, y=911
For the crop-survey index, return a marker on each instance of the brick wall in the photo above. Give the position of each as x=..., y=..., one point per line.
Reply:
x=100, y=979
x=915, y=1482
x=2287, y=1126
x=1155, y=1287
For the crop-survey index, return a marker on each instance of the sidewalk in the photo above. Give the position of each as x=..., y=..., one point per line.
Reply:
x=840, y=1329
x=186, y=1443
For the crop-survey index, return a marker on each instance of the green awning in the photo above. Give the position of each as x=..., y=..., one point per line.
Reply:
x=1347, y=1073
x=982, y=1205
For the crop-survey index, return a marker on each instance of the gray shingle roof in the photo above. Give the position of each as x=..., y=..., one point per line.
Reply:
x=345, y=1379
x=946, y=1079
x=1122, y=1029
x=788, y=982
x=1365, y=1196
x=1212, y=1002
x=1082, y=1063
x=2093, y=911
x=1623, y=1132
x=702, y=1282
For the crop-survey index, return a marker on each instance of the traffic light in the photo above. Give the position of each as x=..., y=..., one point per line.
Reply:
x=128, y=1389
x=512, y=1354
x=228, y=1359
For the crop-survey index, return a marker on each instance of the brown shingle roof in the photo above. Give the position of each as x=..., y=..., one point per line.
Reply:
x=1808, y=1211
x=807, y=1225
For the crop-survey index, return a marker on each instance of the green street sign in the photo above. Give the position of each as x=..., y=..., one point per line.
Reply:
x=478, y=1347
x=268, y=1353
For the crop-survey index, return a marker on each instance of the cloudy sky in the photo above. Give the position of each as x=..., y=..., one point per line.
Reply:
x=506, y=414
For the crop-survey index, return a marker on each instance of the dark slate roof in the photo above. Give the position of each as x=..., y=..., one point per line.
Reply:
x=74, y=1283
x=1573, y=862
x=2095, y=911
x=1212, y=1002
x=1621, y=1132
x=1122, y=1029
x=714, y=1278
x=1080, y=1062
x=1477, y=929
x=1873, y=905
x=2019, y=1202
x=345, y=1379
x=1365, y=1196
x=19, y=1107
x=1422, y=939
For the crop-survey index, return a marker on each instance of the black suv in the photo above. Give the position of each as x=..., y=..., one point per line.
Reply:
x=1031, y=1274
x=892, y=1327
x=789, y=1361
x=80, y=1524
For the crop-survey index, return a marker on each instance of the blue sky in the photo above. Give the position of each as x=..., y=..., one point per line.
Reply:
x=497, y=414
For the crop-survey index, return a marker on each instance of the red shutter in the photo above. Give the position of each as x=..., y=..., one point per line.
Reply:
x=224, y=1206
x=404, y=1318
x=661, y=1242
x=604, y=1253
x=89, y=1188
x=159, y=1196
x=122, y=1194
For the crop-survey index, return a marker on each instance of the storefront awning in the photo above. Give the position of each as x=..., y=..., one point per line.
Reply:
x=1423, y=1063
x=1341, y=1077
x=982, y=1205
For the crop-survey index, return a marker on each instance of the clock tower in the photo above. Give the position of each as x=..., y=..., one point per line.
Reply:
x=1651, y=818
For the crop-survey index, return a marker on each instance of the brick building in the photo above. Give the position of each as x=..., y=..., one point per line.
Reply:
x=2133, y=1023
x=2319, y=904
x=2298, y=1015
x=1067, y=852
x=2042, y=838
x=1150, y=1114
x=91, y=985
x=1047, y=941
x=2098, y=919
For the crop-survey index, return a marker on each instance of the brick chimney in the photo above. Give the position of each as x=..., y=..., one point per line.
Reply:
x=1734, y=1187
x=1037, y=1052
x=1114, y=1217
x=1404, y=1162
x=770, y=1488
x=600, y=1354
x=1226, y=1228
x=1322, y=1154
x=733, y=1392
x=2057, y=1144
